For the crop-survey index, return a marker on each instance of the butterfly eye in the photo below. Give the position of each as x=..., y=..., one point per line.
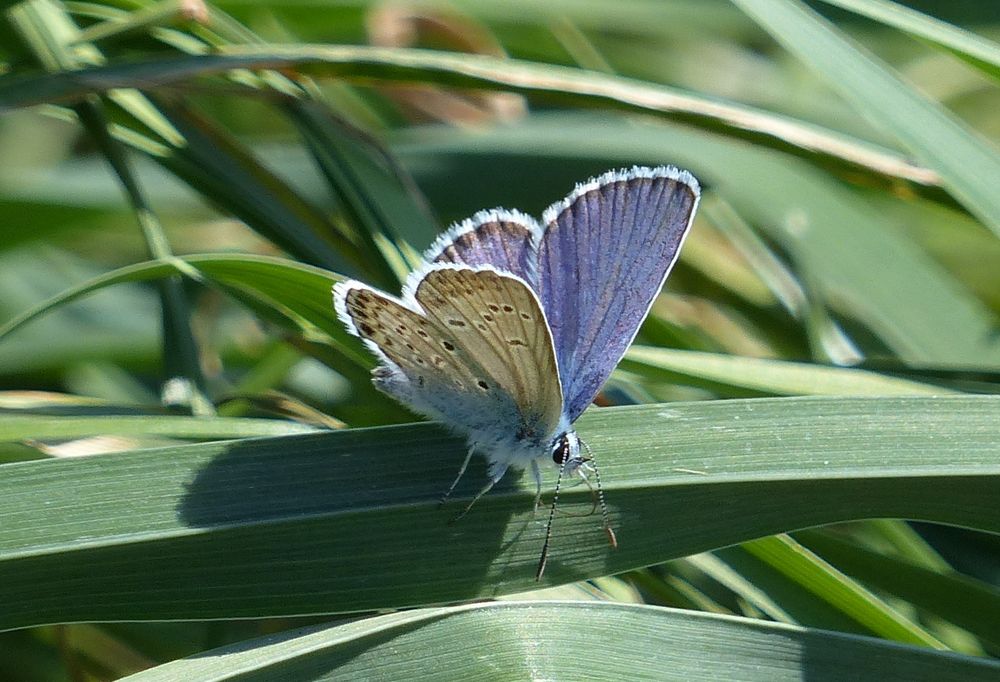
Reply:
x=560, y=451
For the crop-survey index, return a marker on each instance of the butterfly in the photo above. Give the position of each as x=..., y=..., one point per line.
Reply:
x=510, y=327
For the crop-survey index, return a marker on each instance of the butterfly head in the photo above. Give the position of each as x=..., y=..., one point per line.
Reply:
x=566, y=453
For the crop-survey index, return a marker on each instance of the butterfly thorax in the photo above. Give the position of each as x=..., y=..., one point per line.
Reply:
x=565, y=451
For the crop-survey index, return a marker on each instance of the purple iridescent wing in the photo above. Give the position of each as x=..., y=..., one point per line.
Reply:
x=506, y=240
x=605, y=253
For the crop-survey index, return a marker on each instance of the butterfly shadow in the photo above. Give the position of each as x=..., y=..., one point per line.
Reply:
x=353, y=509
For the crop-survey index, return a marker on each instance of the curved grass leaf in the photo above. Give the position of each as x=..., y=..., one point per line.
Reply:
x=773, y=377
x=967, y=163
x=558, y=83
x=278, y=288
x=571, y=640
x=349, y=521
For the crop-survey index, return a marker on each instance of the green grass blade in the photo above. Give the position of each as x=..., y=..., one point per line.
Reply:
x=349, y=521
x=826, y=582
x=18, y=427
x=131, y=273
x=969, y=603
x=967, y=163
x=180, y=351
x=370, y=187
x=594, y=641
x=557, y=83
x=219, y=166
x=281, y=289
x=772, y=377
x=978, y=51
x=759, y=587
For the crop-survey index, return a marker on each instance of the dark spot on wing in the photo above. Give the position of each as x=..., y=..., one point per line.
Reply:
x=448, y=345
x=483, y=385
x=508, y=308
x=516, y=342
x=456, y=323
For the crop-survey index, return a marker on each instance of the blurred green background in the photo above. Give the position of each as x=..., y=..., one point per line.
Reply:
x=248, y=153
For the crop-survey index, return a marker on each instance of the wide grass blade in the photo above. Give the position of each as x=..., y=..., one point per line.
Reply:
x=571, y=640
x=349, y=521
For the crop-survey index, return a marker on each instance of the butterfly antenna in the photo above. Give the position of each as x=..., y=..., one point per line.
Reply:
x=542, y=560
x=608, y=530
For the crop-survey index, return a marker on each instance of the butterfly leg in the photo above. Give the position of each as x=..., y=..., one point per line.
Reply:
x=461, y=472
x=494, y=479
x=537, y=474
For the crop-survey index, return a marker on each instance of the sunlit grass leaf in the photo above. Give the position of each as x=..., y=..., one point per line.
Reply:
x=592, y=641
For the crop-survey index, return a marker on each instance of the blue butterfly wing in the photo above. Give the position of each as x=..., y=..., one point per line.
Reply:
x=605, y=253
x=505, y=240
x=466, y=346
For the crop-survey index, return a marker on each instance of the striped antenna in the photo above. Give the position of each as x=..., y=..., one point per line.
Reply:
x=548, y=526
